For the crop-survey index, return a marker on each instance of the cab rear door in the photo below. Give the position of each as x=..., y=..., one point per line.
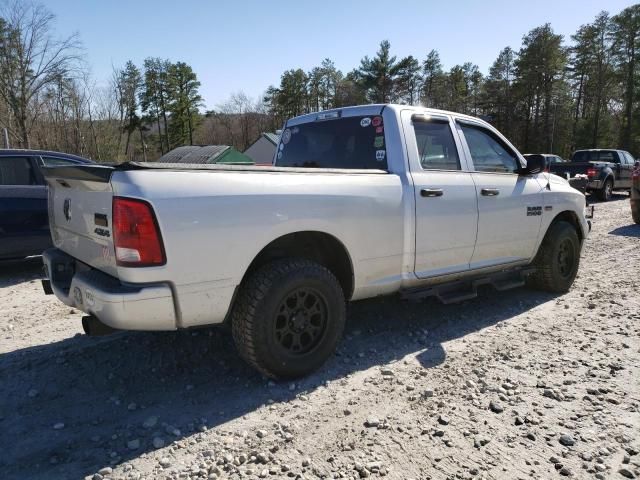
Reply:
x=446, y=208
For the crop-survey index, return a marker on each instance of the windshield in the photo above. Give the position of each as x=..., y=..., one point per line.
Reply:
x=593, y=156
x=349, y=142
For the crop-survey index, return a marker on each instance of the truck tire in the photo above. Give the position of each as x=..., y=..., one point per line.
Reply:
x=288, y=318
x=557, y=260
x=605, y=192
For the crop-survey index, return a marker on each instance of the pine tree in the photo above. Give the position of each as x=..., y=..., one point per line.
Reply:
x=626, y=49
x=184, y=101
x=378, y=76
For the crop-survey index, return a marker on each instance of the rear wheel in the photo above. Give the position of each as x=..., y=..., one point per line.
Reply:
x=557, y=260
x=605, y=192
x=288, y=318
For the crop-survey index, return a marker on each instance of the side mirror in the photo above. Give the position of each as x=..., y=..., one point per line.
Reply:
x=535, y=164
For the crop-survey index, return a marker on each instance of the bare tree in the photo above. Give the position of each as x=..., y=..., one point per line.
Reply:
x=31, y=59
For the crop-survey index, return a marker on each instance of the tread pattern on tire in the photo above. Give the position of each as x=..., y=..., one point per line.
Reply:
x=543, y=278
x=253, y=293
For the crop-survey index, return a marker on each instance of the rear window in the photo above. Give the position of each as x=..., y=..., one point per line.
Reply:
x=593, y=156
x=349, y=142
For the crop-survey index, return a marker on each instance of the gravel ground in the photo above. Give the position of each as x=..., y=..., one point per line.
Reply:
x=510, y=385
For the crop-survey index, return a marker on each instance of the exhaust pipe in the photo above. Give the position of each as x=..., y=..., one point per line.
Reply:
x=94, y=327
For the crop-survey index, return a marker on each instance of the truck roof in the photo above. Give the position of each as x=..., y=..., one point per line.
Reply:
x=376, y=109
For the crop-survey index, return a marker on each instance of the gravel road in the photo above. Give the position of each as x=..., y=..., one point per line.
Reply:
x=512, y=385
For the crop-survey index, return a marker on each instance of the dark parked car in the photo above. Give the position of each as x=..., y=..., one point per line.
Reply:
x=607, y=169
x=24, y=222
x=549, y=159
x=635, y=193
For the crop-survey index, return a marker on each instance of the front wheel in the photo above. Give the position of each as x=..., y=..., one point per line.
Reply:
x=606, y=191
x=557, y=260
x=288, y=318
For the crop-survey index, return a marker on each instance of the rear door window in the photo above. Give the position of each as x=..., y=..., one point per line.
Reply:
x=348, y=142
x=17, y=171
x=436, y=147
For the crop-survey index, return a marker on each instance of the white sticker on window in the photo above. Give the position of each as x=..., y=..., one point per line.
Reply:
x=380, y=154
x=286, y=136
x=365, y=122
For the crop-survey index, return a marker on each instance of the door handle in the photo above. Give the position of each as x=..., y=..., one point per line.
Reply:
x=490, y=192
x=431, y=192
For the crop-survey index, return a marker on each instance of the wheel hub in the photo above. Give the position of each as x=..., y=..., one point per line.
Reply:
x=565, y=258
x=301, y=321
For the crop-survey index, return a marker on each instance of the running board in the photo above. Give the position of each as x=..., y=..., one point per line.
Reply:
x=461, y=290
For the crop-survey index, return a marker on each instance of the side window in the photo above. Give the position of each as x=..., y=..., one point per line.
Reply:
x=16, y=171
x=57, y=162
x=488, y=152
x=436, y=147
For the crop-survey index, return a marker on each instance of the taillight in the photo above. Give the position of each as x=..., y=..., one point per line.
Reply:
x=591, y=172
x=136, y=235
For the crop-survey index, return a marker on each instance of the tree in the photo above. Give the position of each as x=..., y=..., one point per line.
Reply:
x=409, y=81
x=592, y=74
x=31, y=60
x=539, y=70
x=498, y=90
x=378, y=76
x=291, y=98
x=184, y=102
x=432, y=81
x=128, y=83
x=626, y=48
x=154, y=97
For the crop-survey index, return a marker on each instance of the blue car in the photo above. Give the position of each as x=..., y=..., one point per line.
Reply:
x=24, y=222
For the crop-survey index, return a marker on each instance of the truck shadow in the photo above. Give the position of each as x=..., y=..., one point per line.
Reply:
x=104, y=389
x=615, y=197
x=632, y=230
x=14, y=272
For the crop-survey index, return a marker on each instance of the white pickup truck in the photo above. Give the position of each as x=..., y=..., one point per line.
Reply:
x=360, y=202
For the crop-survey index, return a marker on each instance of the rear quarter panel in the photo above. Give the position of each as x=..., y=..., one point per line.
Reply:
x=214, y=224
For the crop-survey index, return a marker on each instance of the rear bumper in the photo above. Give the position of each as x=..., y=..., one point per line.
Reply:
x=120, y=306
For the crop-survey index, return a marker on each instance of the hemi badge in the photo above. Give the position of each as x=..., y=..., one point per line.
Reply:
x=548, y=208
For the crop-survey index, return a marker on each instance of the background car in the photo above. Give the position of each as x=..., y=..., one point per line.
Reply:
x=549, y=159
x=606, y=169
x=24, y=222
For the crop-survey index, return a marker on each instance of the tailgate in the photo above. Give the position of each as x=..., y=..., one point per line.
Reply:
x=80, y=213
x=561, y=169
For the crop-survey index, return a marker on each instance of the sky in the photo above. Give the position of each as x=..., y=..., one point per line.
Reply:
x=247, y=44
